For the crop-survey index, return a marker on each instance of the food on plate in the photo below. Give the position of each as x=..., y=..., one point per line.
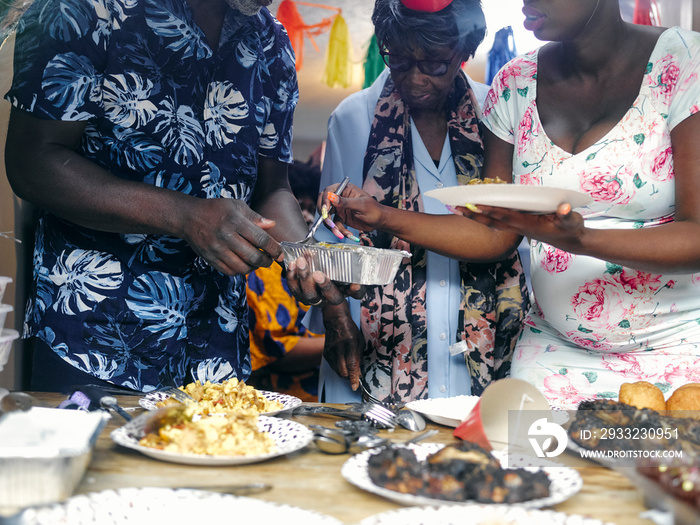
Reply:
x=396, y=468
x=232, y=434
x=682, y=481
x=229, y=396
x=642, y=394
x=486, y=180
x=686, y=397
x=457, y=472
x=611, y=425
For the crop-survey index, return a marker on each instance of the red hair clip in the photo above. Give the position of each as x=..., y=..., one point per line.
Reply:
x=429, y=6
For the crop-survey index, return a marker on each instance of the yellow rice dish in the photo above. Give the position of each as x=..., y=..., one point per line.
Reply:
x=231, y=395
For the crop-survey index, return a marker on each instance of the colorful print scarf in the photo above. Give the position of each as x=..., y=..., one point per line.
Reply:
x=494, y=296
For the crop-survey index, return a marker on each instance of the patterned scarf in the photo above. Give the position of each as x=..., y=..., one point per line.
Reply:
x=393, y=317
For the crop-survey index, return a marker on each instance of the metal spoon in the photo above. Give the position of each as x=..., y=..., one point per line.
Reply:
x=411, y=420
x=111, y=402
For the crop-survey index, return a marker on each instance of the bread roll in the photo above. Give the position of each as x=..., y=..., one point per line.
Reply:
x=642, y=394
x=686, y=397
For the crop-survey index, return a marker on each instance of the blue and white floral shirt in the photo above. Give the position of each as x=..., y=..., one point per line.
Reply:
x=162, y=107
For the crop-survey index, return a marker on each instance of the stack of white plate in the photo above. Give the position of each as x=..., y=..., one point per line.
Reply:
x=7, y=335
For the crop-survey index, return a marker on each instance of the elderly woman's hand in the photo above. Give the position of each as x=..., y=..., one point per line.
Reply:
x=355, y=208
x=344, y=343
x=314, y=288
x=563, y=229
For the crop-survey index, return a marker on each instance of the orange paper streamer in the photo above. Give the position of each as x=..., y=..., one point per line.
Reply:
x=288, y=15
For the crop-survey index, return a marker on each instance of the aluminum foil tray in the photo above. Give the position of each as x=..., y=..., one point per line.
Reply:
x=44, y=454
x=348, y=263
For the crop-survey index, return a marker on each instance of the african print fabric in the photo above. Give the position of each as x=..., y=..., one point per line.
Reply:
x=275, y=329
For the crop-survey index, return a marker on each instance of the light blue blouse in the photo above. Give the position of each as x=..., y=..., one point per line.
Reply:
x=348, y=132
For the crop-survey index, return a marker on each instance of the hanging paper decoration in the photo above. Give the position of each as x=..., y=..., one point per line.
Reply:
x=338, y=58
x=502, y=51
x=288, y=15
x=646, y=12
x=374, y=64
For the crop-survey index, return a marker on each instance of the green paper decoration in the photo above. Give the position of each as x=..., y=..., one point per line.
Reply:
x=374, y=63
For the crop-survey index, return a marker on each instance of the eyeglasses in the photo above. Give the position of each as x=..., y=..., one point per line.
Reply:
x=432, y=68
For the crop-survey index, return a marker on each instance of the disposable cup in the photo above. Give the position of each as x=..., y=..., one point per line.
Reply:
x=7, y=336
x=4, y=310
x=487, y=423
x=4, y=281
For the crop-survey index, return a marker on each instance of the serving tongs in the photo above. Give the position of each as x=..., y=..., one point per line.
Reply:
x=310, y=239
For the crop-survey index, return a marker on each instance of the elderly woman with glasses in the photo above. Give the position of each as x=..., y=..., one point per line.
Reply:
x=444, y=327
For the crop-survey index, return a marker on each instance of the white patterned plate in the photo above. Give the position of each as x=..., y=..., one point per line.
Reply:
x=289, y=437
x=478, y=515
x=151, y=505
x=565, y=481
x=448, y=411
x=538, y=199
x=149, y=401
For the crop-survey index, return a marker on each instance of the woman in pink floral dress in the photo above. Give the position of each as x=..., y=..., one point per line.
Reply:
x=609, y=109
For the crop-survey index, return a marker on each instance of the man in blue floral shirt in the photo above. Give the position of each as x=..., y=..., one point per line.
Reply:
x=155, y=136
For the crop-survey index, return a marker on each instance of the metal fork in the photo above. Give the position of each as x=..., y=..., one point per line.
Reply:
x=177, y=394
x=380, y=415
x=406, y=418
x=374, y=413
x=368, y=397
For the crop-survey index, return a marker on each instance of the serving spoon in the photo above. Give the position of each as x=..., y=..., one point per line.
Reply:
x=310, y=239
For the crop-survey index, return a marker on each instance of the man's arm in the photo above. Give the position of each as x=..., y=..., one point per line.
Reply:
x=44, y=168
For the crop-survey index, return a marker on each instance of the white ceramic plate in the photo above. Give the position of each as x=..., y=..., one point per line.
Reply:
x=149, y=401
x=448, y=411
x=539, y=199
x=565, y=481
x=151, y=505
x=289, y=437
x=478, y=515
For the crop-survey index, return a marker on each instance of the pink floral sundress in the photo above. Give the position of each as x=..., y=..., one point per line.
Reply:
x=595, y=325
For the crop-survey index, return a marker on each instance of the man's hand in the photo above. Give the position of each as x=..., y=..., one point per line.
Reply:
x=344, y=343
x=230, y=236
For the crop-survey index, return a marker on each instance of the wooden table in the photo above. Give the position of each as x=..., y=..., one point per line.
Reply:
x=311, y=479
